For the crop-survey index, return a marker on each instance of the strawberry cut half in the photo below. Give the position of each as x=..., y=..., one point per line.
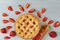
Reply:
x=21, y=8
x=4, y=14
x=31, y=10
x=8, y=27
x=10, y=8
x=45, y=19
x=39, y=14
x=5, y=21
x=12, y=20
x=56, y=24
x=27, y=5
x=50, y=22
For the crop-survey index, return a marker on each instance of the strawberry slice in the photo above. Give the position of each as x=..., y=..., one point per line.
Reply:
x=8, y=27
x=45, y=19
x=43, y=10
x=52, y=34
x=39, y=14
x=6, y=37
x=10, y=8
x=56, y=24
x=21, y=8
x=50, y=22
x=5, y=21
x=31, y=10
x=12, y=20
x=17, y=12
x=27, y=5
x=4, y=14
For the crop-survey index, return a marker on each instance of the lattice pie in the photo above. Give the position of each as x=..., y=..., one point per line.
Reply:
x=27, y=26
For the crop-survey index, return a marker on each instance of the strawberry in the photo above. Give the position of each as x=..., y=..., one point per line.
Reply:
x=27, y=5
x=5, y=21
x=8, y=27
x=6, y=37
x=17, y=12
x=21, y=8
x=31, y=10
x=12, y=33
x=11, y=20
x=56, y=24
x=37, y=37
x=43, y=10
x=39, y=14
x=45, y=19
x=4, y=14
x=50, y=22
x=53, y=34
x=10, y=8
x=3, y=30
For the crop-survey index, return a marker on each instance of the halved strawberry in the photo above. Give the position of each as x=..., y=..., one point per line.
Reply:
x=17, y=12
x=3, y=30
x=12, y=33
x=56, y=24
x=5, y=21
x=21, y=8
x=39, y=14
x=50, y=22
x=8, y=27
x=27, y=5
x=11, y=20
x=43, y=10
x=31, y=10
x=6, y=37
x=52, y=34
x=45, y=19
x=4, y=14
x=10, y=8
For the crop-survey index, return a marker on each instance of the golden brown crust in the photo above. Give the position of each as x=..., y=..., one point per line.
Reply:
x=27, y=26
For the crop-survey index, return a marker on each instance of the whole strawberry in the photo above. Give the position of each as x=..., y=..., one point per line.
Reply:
x=12, y=33
x=3, y=30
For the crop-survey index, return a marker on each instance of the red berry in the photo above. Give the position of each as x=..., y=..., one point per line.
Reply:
x=21, y=8
x=17, y=12
x=6, y=37
x=4, y=14
x=37, y=37
x=45, y=19
x=10, y=8
x=12, y=33
x=52, y=34
x=50, y=22
x=8, y=27
x=5, y=21
x=11, y=20
x=39, y=14
x=31, y=10
x=3, y=30
x=43, y=10
x=27, y=5
x=56, y=24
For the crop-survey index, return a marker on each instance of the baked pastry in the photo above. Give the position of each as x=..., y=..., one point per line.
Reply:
x=27, y=26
